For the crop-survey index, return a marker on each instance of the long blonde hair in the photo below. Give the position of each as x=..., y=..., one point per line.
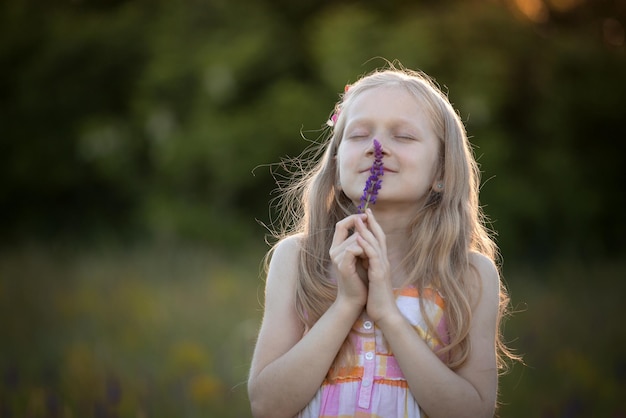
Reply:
x=443, y=234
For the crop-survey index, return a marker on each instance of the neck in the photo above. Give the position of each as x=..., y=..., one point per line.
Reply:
x=395, y=225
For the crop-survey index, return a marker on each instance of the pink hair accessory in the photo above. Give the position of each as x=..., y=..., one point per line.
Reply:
x=333, y=118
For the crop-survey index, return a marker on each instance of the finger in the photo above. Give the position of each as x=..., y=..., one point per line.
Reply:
x=346, y=256
x=376, y=229
x=361, y=227
x=371, y=251
x=343, y=227
x=337, y=251
x=367, y=234
x=346, y=252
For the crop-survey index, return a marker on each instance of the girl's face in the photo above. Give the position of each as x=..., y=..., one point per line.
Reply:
x=411, y=149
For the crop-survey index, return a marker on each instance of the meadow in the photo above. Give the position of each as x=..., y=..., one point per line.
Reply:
x=168, y=331
x=163, y=124
x=165, y=332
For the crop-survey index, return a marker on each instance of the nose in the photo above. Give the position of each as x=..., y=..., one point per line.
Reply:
x=371, y=149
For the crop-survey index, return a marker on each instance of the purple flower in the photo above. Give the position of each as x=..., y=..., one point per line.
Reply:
x=374, y=181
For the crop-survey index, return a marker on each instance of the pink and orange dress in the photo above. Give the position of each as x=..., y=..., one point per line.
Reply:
x=375, y=386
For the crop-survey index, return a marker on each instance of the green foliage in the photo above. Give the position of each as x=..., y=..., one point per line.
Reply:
x=130, y=119
x=566, y=329
x=156, y=332
x=169, y=331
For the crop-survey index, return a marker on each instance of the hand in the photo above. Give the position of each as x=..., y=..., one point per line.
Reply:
x=346, y=254
x=371, y=238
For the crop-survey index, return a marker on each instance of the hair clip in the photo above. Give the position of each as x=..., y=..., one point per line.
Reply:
x=333, y=118
x=335, y=115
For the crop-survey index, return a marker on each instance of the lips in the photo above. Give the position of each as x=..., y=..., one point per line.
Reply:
x=387, y=170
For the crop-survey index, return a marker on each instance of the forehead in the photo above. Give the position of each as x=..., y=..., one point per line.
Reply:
x=385, y=100
x=389, y=103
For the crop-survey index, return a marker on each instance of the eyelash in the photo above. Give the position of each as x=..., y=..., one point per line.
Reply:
x=364, y=135
x=358, y=136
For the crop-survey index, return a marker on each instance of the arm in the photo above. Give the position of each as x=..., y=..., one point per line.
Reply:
x=288, y=368
x=469, y=391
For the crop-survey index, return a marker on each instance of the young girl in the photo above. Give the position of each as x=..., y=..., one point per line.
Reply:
x=392, y=311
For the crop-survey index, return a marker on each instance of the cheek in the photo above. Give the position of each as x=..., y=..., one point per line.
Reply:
x=431, y=163
x=424, y=173
x=432, y=169
x=348, y=181
x=344, y=166
x=344, y=177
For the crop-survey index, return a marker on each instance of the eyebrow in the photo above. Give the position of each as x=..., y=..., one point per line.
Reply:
x=394, y=123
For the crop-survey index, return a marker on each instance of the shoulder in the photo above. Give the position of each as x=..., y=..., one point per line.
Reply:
x=483, y=266
x=283, y=261
x=287, y=249
x=290, y=243
x=280, y=286
x=484, y=280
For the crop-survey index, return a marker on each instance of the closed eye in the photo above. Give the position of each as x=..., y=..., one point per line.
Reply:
x=406, y=137
x=358, y=135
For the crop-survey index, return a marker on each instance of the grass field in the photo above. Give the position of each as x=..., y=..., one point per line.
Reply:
x=168, y=332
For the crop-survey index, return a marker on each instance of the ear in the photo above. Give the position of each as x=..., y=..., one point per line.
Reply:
x=338, y=187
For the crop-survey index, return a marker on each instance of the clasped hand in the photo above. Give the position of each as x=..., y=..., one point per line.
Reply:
x=359, y=255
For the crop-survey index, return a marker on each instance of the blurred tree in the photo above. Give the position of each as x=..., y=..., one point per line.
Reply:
x=136, y=118
x=66, y=150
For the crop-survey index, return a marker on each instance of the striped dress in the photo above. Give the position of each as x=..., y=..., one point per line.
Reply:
x=376, y=387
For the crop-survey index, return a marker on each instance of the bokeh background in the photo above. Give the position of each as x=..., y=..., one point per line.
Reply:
x=137, y=143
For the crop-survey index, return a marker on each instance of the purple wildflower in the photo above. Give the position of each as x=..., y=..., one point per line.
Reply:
x=374, y=181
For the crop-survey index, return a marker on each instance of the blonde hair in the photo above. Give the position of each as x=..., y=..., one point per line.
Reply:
x=443, y=234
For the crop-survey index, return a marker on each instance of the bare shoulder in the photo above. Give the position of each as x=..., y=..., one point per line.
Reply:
x=288, y=248
x=283, y=265
x=283, y=271
x=485, y=267
x=485, y=279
